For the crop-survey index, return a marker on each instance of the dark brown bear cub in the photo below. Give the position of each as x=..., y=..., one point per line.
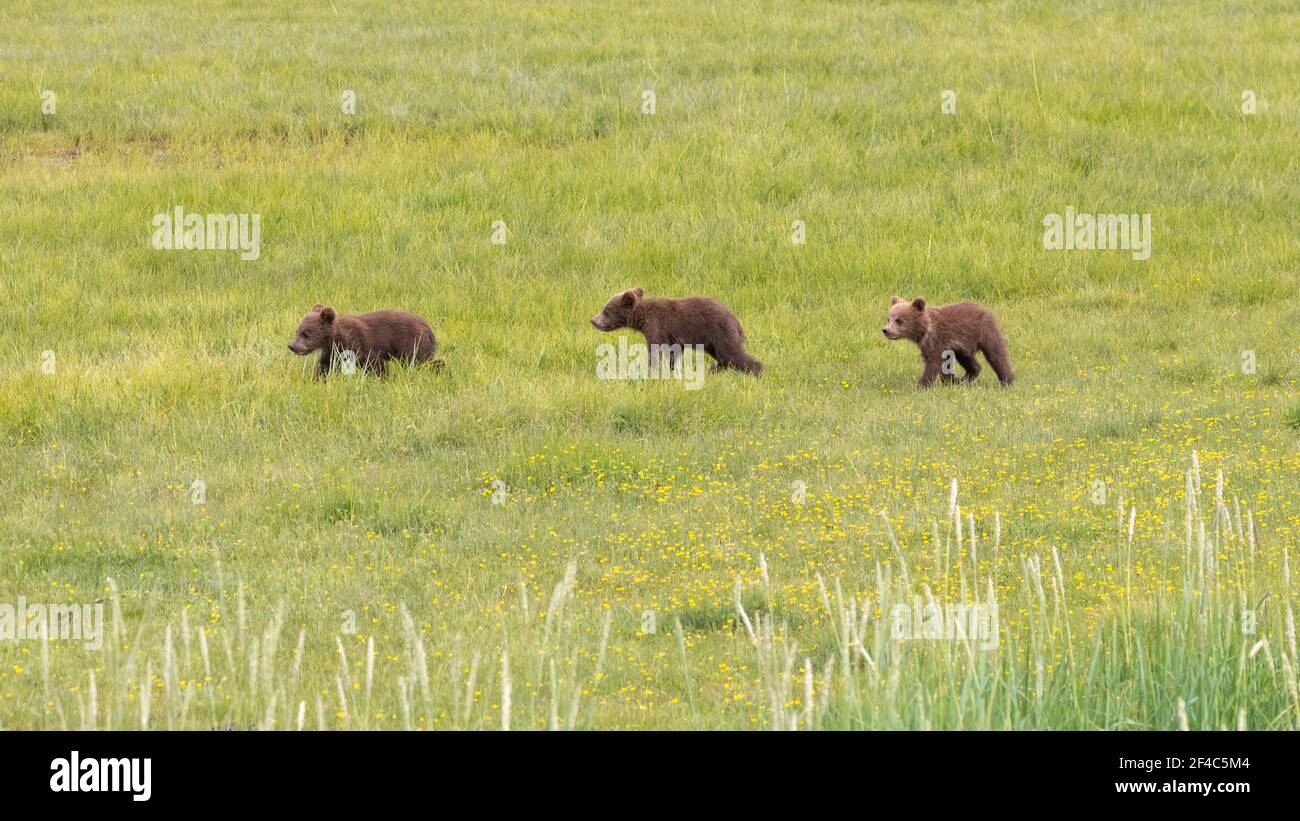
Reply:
x=681, y=322
x=368, y=340
x=949, y=335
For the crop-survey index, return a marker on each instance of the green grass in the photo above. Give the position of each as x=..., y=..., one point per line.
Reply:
x=375, y=497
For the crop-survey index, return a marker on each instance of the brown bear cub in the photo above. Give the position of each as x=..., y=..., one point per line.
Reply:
x=949, y=335
x=368, y=340
x=681, y=322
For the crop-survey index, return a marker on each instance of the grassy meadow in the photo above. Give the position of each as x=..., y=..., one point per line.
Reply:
x=513, y=542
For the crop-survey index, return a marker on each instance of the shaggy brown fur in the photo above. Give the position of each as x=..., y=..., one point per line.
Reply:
x=374, y=338
x=959, y=330
x=691, y=321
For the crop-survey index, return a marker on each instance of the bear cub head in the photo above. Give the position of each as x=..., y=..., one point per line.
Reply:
x=907, y=320
x=314, y=332
x=618, y=311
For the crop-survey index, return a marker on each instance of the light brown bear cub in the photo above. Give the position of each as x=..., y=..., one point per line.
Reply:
x=370, y=340
x=674, y=323
x=949, y=334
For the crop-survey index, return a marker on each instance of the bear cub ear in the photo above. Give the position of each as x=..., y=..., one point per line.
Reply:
x=327, y=315
x=894, y=300
x=919, y=303
x=315, y=309
x=631, y=296
x=640, y=292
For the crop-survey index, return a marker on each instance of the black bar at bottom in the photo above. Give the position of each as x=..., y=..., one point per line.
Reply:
x=338, y=771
